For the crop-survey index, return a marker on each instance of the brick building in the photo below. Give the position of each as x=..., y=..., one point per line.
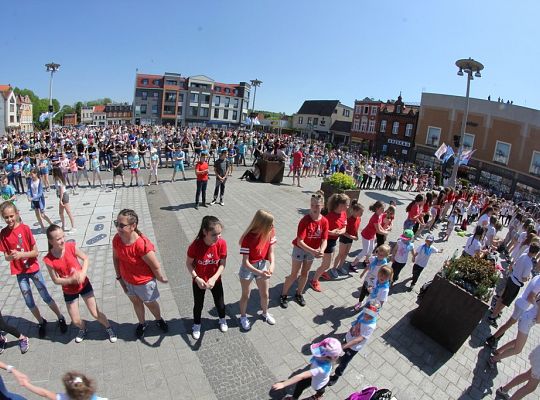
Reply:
x=118, y=113
x=364, y=122
x=70, y=119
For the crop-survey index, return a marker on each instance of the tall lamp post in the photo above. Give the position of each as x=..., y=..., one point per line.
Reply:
x=469, y=67
x=52, y=68
x=255, y=83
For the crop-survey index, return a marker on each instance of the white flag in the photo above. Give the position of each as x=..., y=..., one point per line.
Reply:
x=441, y=151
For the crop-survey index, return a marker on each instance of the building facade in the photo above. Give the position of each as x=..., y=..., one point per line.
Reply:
x=504, y=137
x=99, y=116
x=87, y=113
x=316, y=117
x=8, y=109
x=364, y=123
x=118, y=114
x=189, y=101
x=70, y=119
x=396, y=130
x=25, y=116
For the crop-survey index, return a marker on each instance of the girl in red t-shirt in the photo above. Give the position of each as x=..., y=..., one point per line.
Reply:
x=414, y=213
x=256, y=247
x=310, y=243
x=337, y=224
x=66, y=270
x=20, y=249
x=368, y=234
x=206, y=259
x=137, y=269
x=201, y=170
x=355, y=212
x=387, y=224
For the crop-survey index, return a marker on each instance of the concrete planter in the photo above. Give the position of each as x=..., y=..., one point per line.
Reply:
x=330, y=189
x=448, y=314
x=271, y=171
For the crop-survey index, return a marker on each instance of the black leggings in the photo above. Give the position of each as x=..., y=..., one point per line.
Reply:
x=8, y=328
x=198, y=301
x=303, y=385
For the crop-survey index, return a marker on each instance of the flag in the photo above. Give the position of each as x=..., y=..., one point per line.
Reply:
x=449, y=153
x=466, y=156
x=441, y=151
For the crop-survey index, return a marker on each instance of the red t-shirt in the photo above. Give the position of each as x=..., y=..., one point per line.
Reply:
x=336, y=221
x=66, y=267
x=206, y=259
x=425, y=208
x=312, y=232
x=201, y=166
x=369, y=231
x=257, y=249
x=133, y=269
x=20, y=239
x=414, y=212
x=297, y=158
x=353, y=223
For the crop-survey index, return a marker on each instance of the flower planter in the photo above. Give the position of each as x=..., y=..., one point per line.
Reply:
x=448, y=314
x=271, y=171
x=330, y=189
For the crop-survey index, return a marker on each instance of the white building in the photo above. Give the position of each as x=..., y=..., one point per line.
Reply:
x=8, y=109
x=87, y=115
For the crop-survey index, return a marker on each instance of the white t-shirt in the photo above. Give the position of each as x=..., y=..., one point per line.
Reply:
x=483, y=220
x=404, y=247
x=472, y=246
x=490, y=234
x=366, y=331
x=320, y=372
x=423, y=255
x=532, y=287
x=522, y=269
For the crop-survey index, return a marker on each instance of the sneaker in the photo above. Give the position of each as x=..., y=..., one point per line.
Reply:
x=502, y=394
x=333, y=379
x=42, y=331
x=221, y=203
x=196, y=206
x=343, y=271
x=2, y=343
x=326, y=276
x=213, y=202
x=223, y=327
x=112, y=335
x=62, y=324
x=139, y=331
x=352, y=268
x=24, y=345
x=80, y=336
x=244, y=321
x=315, y=285
x=493, y=322
x=196, y=331
x=283, y=301
x=333, y=273
x=492, y=342
x=300, y=299
x=162, y=325
x=269, y=318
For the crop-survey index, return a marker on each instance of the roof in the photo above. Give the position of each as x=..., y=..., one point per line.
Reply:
x=406, y=109
x=5, y=90
x=341, y=126
x=318, y=107
x=99, y=109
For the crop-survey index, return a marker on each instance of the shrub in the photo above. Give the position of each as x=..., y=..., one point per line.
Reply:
x=464, y=183
x=475, y=275
x=329, y=146
x=342, y=181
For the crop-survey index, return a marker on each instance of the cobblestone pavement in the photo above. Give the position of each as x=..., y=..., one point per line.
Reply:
x=236, y=364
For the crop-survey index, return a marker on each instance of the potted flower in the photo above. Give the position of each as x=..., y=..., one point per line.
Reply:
x=340, y=183
x=456, y=300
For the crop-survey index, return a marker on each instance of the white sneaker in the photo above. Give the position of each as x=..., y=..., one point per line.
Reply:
x=223, y=327
x=244, y=321
x=196, y=331
x=269, y=318
x=112, y=335
x=80, y=336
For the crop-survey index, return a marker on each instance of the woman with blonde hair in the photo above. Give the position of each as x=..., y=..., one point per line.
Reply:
x=77, y=385
x=257, y=247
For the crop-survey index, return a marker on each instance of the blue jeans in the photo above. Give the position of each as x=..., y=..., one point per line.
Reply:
x=26, y=290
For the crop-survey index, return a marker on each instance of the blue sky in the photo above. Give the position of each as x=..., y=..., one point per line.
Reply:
x=300, y=49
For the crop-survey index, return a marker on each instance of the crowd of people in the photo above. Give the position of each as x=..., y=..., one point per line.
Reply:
x=327, y=233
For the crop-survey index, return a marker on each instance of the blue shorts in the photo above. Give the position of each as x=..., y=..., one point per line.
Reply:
x=179, y=167
x=248, y=275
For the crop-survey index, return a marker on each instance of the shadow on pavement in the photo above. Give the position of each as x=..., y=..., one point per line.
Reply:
x=483, y=376
x=386, y=198
x=418, y=348
x=179, y=207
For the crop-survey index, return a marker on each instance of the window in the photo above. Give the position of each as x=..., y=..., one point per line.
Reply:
x=235, y=103
x=181, y=100
x=226, y=114
x=363, y=124
x=12, y=108
x=358, y=109
x=217, y=100
x=300, y=120
x=171, y=82
x=144, y=95
x=502, y=152
x=204, y=112
x=468, y=141
x=156, y=82
x=535, y=163
x=12, y=119
x=194, y=98
x=398, y=109
x=205, y=99
x=227, y=90
x=309, y=120
x=144, y=82
x=155, y=94
x=315, y=121
x=154, y=108
x=356, y=125
x=408, y=130
x=217, y=89
x=235, y=115
x=373, y=110
x=170, y=97
x=227, y=101
x=433, y=136
x=179, y=110
x=371, y=126
x=395, y=128
x=366, y=109
x=193, y=111
x=216, y=112
x=383, y=126
x=235, y=92
x=169, y=110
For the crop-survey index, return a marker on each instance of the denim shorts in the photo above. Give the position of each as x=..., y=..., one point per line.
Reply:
x=299, y=254
x=24, y=284
x=248, y=275
x=148, y=292
x=178, y=167
x=86, y=291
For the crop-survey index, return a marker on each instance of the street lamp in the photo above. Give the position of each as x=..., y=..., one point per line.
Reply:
x=52, y=68
x=255, y=83
x=469, y=67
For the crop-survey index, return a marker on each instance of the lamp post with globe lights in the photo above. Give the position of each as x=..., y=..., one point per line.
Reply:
x=52, y=68
x=470, y=67
x=255, y=83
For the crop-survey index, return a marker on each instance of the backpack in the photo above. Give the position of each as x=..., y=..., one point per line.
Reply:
x=371, y=393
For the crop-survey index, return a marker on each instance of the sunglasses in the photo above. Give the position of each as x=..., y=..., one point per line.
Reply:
x=120, y=225
x=316, y=196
